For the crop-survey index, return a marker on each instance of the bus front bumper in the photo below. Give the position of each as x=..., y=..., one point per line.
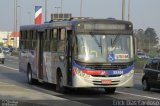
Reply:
x=125, y=80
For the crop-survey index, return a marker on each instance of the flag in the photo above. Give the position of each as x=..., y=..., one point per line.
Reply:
x=38, y=15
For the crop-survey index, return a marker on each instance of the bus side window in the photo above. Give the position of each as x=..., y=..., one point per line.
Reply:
x=61, y=41
x=46, y=46
x=74, y=46
x=24, y=37
x=22, y=40
x=34, y=42
x=63, y=33
x=29, y=40
x=54, y=36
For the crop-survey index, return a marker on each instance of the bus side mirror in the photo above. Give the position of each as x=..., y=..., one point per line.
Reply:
x=61, y=57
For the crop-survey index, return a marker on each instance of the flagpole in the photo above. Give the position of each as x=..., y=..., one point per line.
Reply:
x=45, y=10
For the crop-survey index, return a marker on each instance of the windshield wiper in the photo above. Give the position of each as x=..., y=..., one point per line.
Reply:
x=115, y=40
x=98, y=43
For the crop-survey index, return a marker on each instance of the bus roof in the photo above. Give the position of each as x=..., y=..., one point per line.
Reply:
x=70, y=23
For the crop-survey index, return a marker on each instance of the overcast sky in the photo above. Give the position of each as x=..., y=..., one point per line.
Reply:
x=144, y=13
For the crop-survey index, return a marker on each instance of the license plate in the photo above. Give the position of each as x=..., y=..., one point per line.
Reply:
x=106, y=81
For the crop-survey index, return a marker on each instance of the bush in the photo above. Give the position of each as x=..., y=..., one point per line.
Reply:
x=139, y=63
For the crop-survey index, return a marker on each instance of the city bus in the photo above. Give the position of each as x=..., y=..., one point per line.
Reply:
x=79, y=53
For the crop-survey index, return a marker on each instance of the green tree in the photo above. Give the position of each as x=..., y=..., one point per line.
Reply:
x=139, y=34
x=152, y=37
x=146, y=39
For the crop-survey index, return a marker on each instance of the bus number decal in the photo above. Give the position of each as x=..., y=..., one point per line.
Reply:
x=117, y=72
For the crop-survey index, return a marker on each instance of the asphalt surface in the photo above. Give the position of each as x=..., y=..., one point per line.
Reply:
x=14, y=86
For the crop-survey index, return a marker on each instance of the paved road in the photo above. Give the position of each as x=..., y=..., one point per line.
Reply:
x=13, y=85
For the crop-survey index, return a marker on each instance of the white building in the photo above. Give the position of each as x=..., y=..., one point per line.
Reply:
x=9, y=38
x=4, y=36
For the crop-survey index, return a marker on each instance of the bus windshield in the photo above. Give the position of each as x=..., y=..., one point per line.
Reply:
x=104, y=48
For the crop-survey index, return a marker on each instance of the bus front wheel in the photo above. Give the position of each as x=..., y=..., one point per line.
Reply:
x=110, y=90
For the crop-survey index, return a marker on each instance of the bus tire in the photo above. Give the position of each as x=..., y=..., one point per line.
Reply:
x=145, y=85
x=110, y=90
x=29, y=75
x=60, y=86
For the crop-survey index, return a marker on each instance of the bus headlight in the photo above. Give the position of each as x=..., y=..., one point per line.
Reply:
x=126, y=76
x=130, y=73
x=122, y=76
x=80, y=73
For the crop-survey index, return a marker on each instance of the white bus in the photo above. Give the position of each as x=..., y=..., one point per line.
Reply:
x=84, y=53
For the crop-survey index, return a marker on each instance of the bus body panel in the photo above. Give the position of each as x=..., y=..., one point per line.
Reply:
x=23, y=61
x=60, y=65
x=47, y=76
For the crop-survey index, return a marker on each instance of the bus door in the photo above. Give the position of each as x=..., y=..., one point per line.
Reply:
x=69, y=58
x=40, y=54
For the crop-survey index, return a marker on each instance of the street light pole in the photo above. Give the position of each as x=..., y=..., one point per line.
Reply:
x=149, y=43
x=81, y=9
x=15, y=22
x=61, y=6
x=57, y=9
x=19, y=15
x=129, y=2
x=123, y=9
x=16, y=17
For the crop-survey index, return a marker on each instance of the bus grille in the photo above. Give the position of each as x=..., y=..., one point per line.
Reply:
x=99, y=66
x=107, y=76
